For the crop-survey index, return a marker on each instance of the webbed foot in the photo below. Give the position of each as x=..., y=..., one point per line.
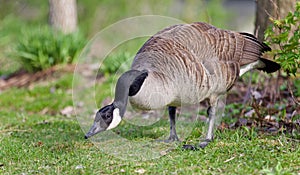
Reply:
x=190, y=147
x=204, y=143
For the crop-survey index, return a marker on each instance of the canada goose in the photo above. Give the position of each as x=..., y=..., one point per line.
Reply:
x=186, y=64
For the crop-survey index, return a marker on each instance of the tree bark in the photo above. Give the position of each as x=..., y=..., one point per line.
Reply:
x=276, y=9
x=63, y=15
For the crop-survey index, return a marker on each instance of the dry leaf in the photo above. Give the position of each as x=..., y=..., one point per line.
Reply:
x=162, y=153
x=140, y=171
x=67, y=111
x=79, y=167
x=256, y=95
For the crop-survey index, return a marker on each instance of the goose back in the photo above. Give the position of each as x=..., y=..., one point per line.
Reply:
x=188, y=63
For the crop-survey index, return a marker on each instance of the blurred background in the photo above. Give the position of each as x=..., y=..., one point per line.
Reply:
x=21, y=17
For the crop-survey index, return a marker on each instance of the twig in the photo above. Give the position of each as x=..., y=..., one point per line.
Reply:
x=291, y=92
x=230, y=159
x=280, y=142
x=256, y=109
x=292, y=139
x=276, y=10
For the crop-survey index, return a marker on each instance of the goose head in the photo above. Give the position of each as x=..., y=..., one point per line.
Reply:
x=111, y=115
x=106, y=118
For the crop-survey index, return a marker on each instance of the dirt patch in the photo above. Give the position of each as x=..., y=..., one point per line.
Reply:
x=24, y=79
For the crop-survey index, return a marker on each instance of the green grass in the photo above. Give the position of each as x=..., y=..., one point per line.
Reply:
x=35, y=138
x=33, y=142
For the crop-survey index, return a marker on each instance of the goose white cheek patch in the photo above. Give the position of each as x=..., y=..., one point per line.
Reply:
x=116, y=119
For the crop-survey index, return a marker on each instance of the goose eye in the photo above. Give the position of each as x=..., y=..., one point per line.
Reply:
x=107, y=116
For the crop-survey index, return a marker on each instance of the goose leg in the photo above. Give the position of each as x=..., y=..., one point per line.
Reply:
x=209, y=136
x=211, y=111
x=214, y=112
x=173, y=135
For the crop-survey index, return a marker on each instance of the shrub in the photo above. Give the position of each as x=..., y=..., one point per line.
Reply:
x=285, y=35
x=40, y=48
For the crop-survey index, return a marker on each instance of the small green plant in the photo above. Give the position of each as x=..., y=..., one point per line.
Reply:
x=41, y=48
x=285, y=33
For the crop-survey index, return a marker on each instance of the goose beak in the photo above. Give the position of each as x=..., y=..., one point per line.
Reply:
x=94, y=130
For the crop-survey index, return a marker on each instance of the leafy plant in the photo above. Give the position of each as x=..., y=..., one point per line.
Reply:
x=285, y=34
x=41, y=48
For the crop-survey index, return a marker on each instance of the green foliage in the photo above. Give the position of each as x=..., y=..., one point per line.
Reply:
x=120, y=59
x=217, y=14
x=287, y=39
x=9, y=30
x=297, y=86
x=116, y=62
x=95, y=15
x=40, y=48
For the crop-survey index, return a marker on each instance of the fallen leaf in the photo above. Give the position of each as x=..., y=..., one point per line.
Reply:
x=256, y=94
x=270, y=118
x=67, y=111
x=79, y=167
x=250, y=113
x=140, y=171
x=44, y=122
x=44, y=111
x=39, y=144
x=162, y=153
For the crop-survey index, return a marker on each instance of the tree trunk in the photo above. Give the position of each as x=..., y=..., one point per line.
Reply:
x=63, y=15
x=276, y=9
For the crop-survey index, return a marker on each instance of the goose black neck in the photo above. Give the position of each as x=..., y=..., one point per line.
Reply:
x=122, y=89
